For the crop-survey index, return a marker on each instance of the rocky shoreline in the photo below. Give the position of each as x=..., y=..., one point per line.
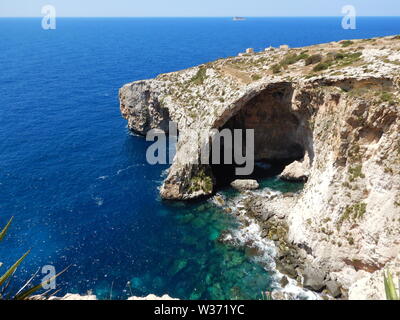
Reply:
x=258, y=224
x=291, y=260
x=333, y=110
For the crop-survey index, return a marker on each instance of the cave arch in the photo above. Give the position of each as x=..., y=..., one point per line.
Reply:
x=281, y=135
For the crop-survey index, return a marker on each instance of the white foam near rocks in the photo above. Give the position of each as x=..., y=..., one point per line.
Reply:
x=249, y=234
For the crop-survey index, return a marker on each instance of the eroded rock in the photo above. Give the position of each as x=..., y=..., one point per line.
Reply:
x=297, y=171
x=314, y=279
x=243, y=185
x=333, y=288
x=345, y=119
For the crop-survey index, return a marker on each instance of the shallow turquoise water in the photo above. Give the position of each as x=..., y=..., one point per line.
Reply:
x=280, y=185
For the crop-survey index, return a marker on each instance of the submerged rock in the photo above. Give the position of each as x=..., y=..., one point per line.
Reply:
x=218, y=200
x=177, y=266
x=216, y=292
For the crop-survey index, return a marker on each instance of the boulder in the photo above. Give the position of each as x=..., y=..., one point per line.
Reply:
x=243, y=185
x=249, y=50
x=284, y=282
x=287, y=269
x=297, y=171
x=333, y=288
x=313, y=279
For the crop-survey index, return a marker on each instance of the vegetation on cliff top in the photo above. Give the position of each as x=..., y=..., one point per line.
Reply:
x=200, y=76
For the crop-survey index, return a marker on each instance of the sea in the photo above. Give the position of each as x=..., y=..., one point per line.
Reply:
x=76, y=180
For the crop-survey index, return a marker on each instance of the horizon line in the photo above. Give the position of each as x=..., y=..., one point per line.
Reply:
x=199, y=17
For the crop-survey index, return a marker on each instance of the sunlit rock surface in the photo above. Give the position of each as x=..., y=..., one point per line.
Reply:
x=337, y=116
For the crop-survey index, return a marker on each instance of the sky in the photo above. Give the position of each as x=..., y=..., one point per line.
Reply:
x=197, y=8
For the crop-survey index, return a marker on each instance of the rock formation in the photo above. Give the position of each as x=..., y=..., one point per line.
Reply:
x=243, y=185
x=337, y=116
x=297, y=170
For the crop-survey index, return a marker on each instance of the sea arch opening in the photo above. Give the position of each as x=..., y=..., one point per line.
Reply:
x=281, y=135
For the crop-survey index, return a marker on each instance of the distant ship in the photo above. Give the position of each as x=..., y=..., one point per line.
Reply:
x=239, y=18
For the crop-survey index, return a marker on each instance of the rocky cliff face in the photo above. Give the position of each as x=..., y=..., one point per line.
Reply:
x=332, y=108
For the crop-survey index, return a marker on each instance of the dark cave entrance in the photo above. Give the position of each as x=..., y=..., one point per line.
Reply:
x=279, y=135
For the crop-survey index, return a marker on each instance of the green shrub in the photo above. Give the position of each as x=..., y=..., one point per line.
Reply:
x=293, y=58
x=355, y=173
x=387, y=97
x=202, y=182
x=354, y=212
x=395, y=62
x=354, y=55
x=315, y=58
x=349, y=58
x=200, y=76
x=276, y=68
x=346, y=43
x=321, y=66
x=289, y=59
x=339, y=56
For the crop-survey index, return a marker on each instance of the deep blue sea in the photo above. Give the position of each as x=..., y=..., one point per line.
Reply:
x=78, y=183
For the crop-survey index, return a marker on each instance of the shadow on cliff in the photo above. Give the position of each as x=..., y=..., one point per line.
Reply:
x=281, y=134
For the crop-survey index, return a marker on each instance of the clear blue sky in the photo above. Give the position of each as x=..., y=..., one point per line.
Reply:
x=192, y=8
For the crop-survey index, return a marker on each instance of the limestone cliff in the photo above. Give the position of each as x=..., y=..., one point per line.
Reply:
x=333, y=108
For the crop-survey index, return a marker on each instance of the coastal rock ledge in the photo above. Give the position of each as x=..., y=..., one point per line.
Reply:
x=331, y=109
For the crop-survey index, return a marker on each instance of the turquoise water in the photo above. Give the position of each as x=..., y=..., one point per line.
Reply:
x=282, y=186
x=78, y=183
